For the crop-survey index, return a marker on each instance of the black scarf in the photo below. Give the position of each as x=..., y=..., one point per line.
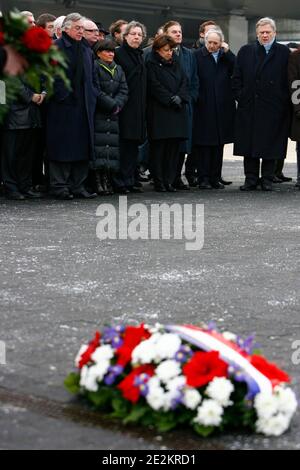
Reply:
x=76, y=65
x=136, y=54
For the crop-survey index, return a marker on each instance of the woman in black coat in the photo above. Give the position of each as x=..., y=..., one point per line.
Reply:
x=167, y=113
x=133, y=116
x=214, y=112
x=114, y=94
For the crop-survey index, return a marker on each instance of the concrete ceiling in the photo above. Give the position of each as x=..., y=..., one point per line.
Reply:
x=168, y=8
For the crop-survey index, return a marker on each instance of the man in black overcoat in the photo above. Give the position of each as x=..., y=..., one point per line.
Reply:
x=70, y=116
x=260, y=85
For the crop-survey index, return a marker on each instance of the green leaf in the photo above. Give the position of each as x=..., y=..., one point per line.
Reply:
x=101, y=398
x=165, y=421
x=204, y=431
x=71, y=382
x=137, y=412
x=120, y=407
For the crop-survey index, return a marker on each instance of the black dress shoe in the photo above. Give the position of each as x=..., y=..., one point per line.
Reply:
x=217, y=185
x=248, y=187
x=135, y=189
x=285, y=179
x=205, y=185
x=266, y=187
x=193, y=182
x=64, y=196
x=170, y=188
x=122, y=190
x=181, y=186
x=85, y=195
x=277, y=180
x=15, y=196
x=225, y=183
x=159, y=188
x=30, y=194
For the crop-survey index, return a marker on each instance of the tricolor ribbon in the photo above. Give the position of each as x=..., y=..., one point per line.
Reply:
x=229, y=352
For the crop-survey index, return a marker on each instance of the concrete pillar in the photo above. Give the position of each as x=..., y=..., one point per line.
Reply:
x=235, y=28
x=237, y=32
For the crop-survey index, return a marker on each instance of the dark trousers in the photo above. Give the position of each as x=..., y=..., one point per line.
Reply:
x=190, y=165
x=164, y=155
x=298, y=162
x=129, y=153
x=279, y=167
x=209, y=163
x=68, y=176
x=251, y=169
x=180, y=163
x=18, y=150
x=39, y=167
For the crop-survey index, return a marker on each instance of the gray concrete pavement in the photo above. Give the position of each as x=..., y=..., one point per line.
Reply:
x=58, y=283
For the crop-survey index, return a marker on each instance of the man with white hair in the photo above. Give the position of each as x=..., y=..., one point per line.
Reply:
x=214, y=112
x=57, y=26
x=260, y=84
x=29, y=16
x=70, y=116
x=91, y=32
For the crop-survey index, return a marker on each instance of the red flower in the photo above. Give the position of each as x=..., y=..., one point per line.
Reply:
x=53, y=62
x=93, y=345
x=37, y=40
x=130, y=391
x=132, y=337
x=1, y=38
x=269, y=369
x=203, y=367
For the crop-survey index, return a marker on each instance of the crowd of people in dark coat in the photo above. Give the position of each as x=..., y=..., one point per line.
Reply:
x=164, y=108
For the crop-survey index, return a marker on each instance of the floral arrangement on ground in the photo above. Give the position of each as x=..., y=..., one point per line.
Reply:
x=183, y=375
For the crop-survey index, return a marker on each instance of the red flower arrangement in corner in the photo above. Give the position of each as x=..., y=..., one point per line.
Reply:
x=45, y=61
x=36, y=39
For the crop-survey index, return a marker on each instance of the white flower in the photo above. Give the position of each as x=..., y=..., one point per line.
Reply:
x=153, y=383
x=167, y=370
x=103, y=353
x=167, y=346
x=273, y=426
x=286, y=400
x=91, y=376
x=177, y=383
x=171, y=397
x=156, y=397
x=144, y=353
x=266, y=405
x=209, y=413
x=220, y=389
x=80, y=353
x=156, y=348
x=191, y=398
x=229, y=336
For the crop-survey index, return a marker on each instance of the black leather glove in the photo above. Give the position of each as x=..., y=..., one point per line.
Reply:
x=176, y=102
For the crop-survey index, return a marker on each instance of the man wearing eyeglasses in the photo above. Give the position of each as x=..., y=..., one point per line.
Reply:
x=91, y=32
x=70, y=116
